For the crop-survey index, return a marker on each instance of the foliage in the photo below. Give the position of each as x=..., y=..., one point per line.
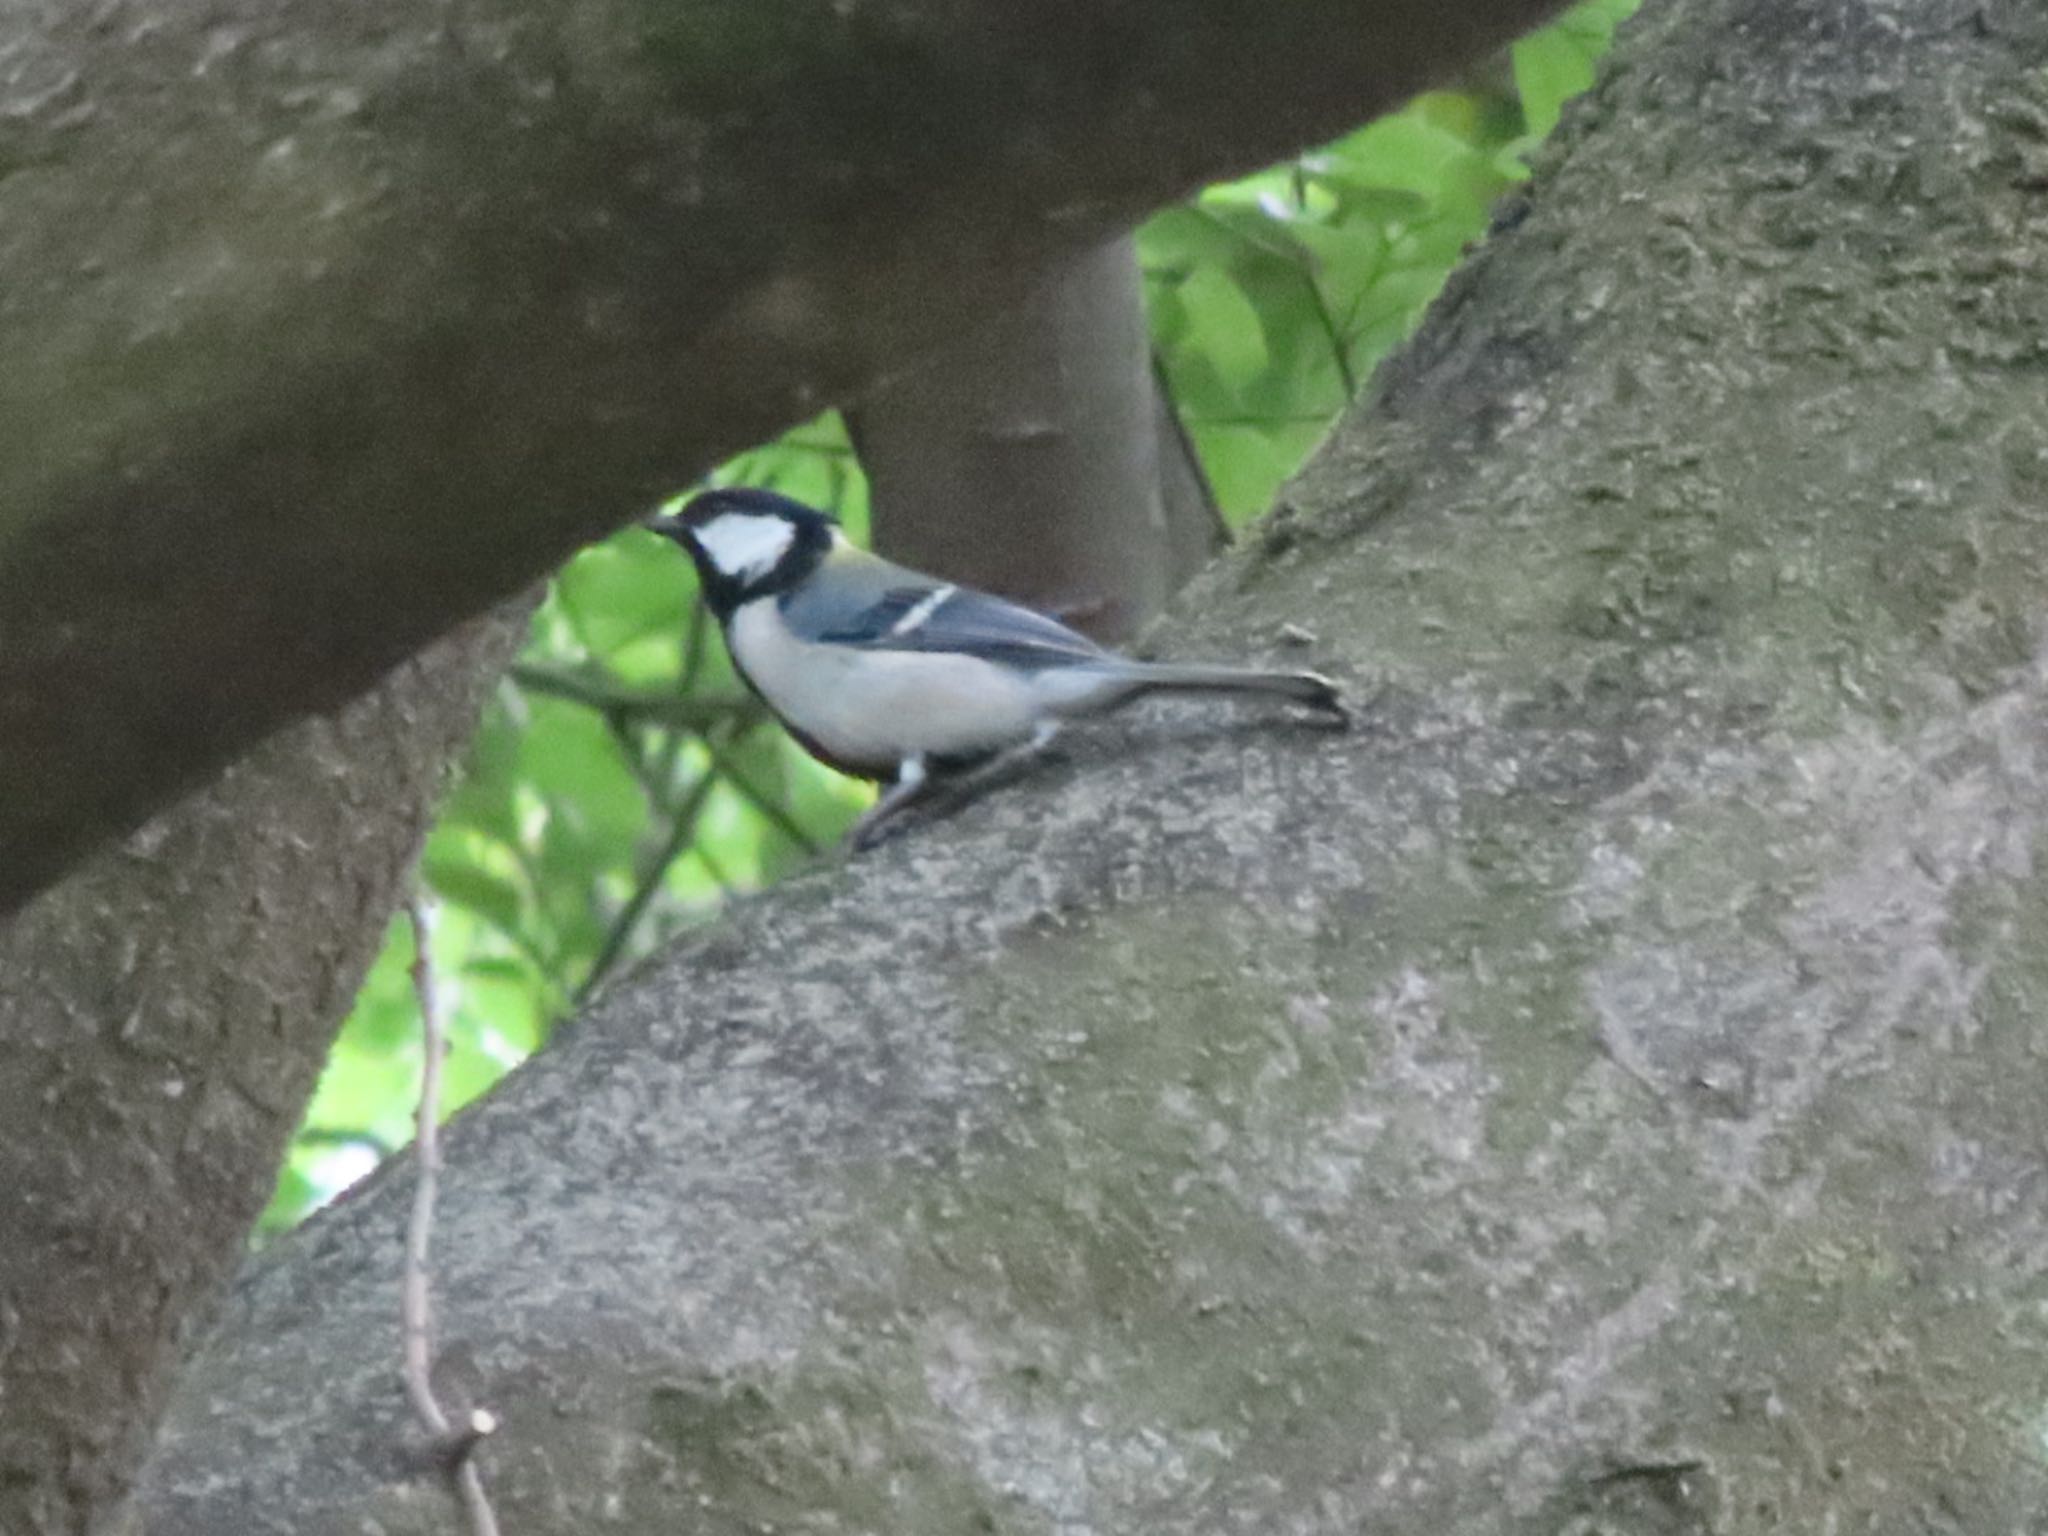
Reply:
x=623, y=784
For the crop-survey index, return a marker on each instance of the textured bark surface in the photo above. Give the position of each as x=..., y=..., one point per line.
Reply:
x=1602, y=1094
x=164, y=1013
x=1040, y=458
x=302, y=302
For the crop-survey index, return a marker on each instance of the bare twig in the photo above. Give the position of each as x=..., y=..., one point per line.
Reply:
x=682, y=827
x=1332, y=332
x=769, y=808
x=452, y=1446
x=663, y=768
x=1340, y=350
x=1174, y=422
x=720, y=877
x=715, y=723
x=655, y=776
x=688, y=714
x=693, y=645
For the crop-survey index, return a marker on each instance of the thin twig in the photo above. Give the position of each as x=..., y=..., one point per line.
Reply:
x=417, y=1305
x=681, y=829
x=653, y=779
x=693, y=645
x=1339, y=349
x=771, y=810
x=1332, y=332
x=688, y=714
x=453, y=1448
x=712, y=867
x=1216, y=530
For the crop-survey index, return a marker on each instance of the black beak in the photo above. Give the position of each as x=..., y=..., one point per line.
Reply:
x=667, y=525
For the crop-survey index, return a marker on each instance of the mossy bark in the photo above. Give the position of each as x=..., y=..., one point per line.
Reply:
x=1601, y=1094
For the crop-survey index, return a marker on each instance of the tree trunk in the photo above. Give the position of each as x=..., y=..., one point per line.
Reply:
x=1038, y=457
x=164, y=1014
x=1601, y=1093
x=327, y=325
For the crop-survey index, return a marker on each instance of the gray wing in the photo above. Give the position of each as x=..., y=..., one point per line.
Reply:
x=966, y=620
x=869, y=602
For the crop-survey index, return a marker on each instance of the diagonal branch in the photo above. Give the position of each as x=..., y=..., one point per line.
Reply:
x=397, y=304
x=681, y=830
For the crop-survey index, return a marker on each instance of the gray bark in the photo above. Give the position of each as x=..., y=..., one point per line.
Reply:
x=1038, y=457
x=164, y=1013
x=327, y=325
x=1601, y=1094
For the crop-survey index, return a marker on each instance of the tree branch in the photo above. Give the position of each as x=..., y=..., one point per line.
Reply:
x=1086, y=500
x=682, y=828
x=1229, y=1134
x=164, y=1016
x=693, y=714
x=765, y=805
x=406, y=302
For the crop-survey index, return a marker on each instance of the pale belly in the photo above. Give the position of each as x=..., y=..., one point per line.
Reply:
x=873, y=709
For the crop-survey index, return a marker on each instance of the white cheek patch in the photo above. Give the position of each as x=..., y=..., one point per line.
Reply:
x=745, y=547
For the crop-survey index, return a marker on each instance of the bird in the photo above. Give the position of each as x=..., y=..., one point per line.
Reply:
x=916, y=683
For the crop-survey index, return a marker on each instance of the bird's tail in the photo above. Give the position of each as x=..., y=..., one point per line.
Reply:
x=1176, y=677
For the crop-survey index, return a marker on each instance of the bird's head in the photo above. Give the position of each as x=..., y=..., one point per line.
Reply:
x=749, y=543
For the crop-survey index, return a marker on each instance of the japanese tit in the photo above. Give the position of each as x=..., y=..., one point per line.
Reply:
x=891, y=675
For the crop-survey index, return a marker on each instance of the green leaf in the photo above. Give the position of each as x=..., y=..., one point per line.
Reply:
x=1227, y=324
x=1375, y=208
x=1559, y=62
x=455, y=869
x=380, y=1022
x=468, y=1072
x=575, y=761
x=1403, y=152
x=1399, y=299
x=1551, y=67
x=1247, y=463
x=1178, y=241
x=1349, y=257
x=631, y=586
x=510, y=1004
x=1257, y=235
x=289, y=1203
x=370, y=1092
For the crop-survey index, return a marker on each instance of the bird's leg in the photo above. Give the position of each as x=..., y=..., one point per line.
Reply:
x=912, y=781
x=961, y=788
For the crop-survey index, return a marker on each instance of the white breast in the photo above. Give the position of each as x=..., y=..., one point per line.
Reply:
x=874, y=708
